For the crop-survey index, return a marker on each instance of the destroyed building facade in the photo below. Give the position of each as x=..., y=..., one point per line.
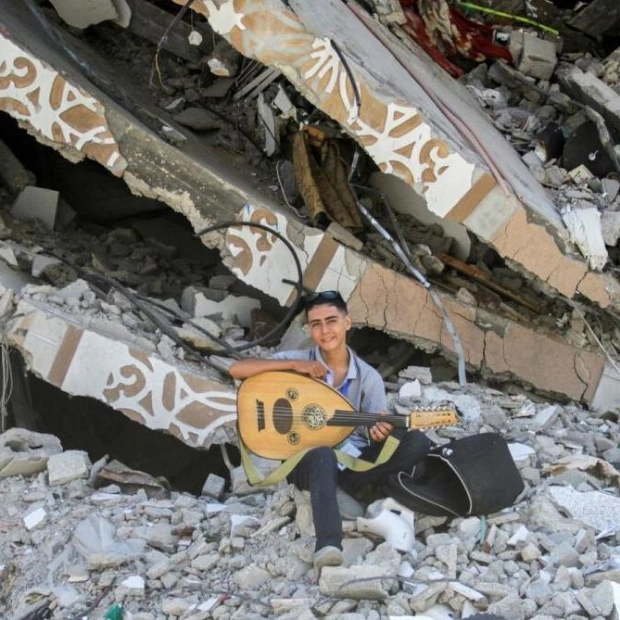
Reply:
x=438, y=159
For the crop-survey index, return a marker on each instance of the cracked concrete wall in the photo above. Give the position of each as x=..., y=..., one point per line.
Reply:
x=409, y=134
x=500, y=349
x=394, y=303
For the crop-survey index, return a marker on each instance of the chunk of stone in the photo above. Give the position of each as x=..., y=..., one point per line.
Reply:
x=345, y=582
x=24, y=452
x=68, y=466
x=610, y=225
x=199, y=119
x=606, y=598
x=584, y=226
x=530, y=552
x=592, y=91
x=564, y=555
x=84, y=13
x=611, y=187
x=160, y=535
x=35, y=518
x=43, y=205
x=133, y=586
x=596, y=509
x=251, y=577
x=176, y=606
x=534, y=56
x=545, y=417
x=411, y=389
x=236, y=308
x=214, y=487
x=520, y=451
x=421, y=373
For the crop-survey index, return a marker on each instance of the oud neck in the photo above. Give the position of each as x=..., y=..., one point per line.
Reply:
x=359, y=418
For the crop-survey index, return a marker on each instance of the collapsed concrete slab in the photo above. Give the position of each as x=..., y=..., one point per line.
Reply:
x=196, y=407
x=416, y=123
x=442, y=158
x=394, y=303
x=67, y=110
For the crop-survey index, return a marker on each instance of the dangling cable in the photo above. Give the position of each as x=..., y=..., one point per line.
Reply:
x=405, y=256
x=6, y=376
x=298, y=285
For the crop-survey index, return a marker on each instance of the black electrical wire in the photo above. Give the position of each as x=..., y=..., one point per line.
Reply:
x=294, y=309
x=345, y=64
x=164, y=38
x=96, y=278
x=142, y=304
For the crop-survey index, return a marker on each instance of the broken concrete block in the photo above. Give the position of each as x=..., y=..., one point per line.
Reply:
x=224, y=59
x=44, y=205
x=24, y=452
x=41, y=262
x=84, y=13
x=197, y=339
x=580, y=174
x=606, y=598
x=411, y=389
x=421, y=373
x=124, y=13
x=195, y=302
x=13, y=175
x=534, y=56
x=132, y=586
x=545, y=417
x=214, y=487
x=597, y=17
x=7, y=254
x=520, y=451
x=356, y=582
x=236, y=308
x=198, y=119
x=595, y=508
x=592, y=91
x=584, y=226
x=611, y=187
x=35, y=518
x=610, y=225
x=68, y=466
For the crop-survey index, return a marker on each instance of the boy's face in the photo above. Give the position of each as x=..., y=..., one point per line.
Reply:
x=328, y=326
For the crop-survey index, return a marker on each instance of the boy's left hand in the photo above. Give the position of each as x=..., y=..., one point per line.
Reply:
x=380, y=431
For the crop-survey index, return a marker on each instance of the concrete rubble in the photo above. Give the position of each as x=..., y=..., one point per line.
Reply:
x=491, y=174
x=80, y=545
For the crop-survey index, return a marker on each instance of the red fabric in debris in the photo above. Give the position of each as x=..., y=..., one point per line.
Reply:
x=443, y=31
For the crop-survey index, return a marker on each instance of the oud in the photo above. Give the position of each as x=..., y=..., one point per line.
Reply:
x=280, y=413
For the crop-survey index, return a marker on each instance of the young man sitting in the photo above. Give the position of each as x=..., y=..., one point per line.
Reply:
x=319, y=471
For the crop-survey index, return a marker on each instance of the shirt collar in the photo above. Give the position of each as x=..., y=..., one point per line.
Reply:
x=352, y=370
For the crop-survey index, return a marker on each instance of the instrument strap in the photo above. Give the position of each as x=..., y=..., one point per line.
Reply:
x=255, y=478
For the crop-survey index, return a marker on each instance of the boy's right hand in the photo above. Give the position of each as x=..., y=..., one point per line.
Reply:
x=315, y=369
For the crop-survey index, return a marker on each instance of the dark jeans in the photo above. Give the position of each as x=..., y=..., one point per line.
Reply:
x=318, y=473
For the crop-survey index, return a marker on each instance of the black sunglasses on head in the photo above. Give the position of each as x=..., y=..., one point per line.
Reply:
x=322, y=296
